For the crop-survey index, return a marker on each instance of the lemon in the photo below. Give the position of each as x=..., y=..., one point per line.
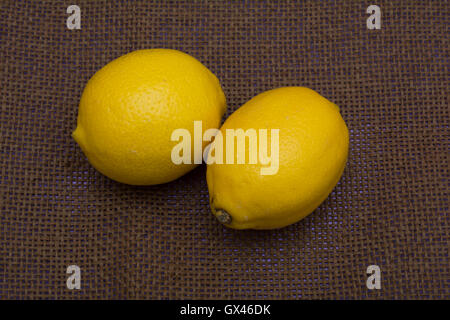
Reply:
x=131, y=106
x=313, y=148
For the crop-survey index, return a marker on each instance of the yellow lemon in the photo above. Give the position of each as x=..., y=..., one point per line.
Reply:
x=311, y=151
x=131, y=106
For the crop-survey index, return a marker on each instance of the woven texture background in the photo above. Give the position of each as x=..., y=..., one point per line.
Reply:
x=161, y=242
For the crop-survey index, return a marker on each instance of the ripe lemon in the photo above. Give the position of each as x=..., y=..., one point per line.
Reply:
x=131, y=106
x=313, y=149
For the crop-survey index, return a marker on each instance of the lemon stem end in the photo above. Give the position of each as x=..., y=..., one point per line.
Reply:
x=223, y=216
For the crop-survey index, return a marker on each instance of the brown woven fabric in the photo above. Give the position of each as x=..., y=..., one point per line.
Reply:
x=161, y=242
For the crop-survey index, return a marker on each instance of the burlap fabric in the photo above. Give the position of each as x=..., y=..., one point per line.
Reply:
x=161, y=242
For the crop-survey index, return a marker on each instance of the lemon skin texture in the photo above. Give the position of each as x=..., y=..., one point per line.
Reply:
x=130, y=107
x=313, y=149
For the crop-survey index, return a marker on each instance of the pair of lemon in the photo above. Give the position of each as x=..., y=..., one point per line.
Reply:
x=130, y=108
